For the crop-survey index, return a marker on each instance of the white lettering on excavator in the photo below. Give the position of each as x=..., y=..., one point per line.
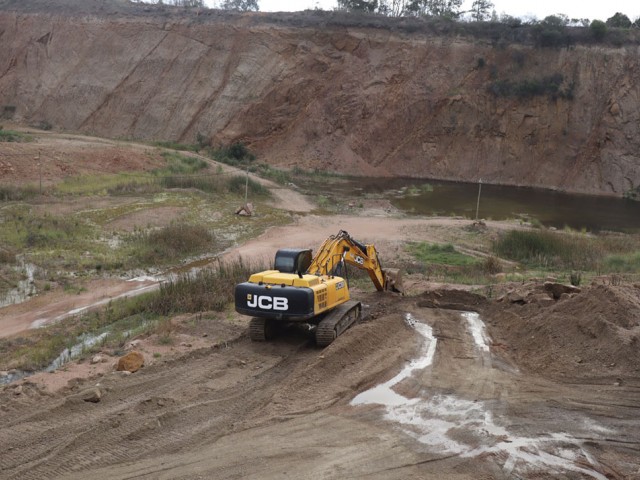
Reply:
x=358, y=259
x=268, y=303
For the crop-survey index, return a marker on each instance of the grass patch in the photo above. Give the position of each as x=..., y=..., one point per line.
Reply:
x=622, y=263
x=209, y=289
x=169, y=243
x=544, y=249
x=442, y=262
x=180, y=164
x=25, y=231
x=281, y=177
x=13, y=136
x=11, y=193
x=440, y=254
x=547, y=249
x=237, y=185
x=210, y=184
x=136, y=187
x=100, y=184
x=186, y=147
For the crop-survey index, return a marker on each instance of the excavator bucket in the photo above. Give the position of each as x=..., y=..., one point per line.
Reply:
x=393, y=280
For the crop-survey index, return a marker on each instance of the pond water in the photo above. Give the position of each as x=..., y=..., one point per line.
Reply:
x=497, y=202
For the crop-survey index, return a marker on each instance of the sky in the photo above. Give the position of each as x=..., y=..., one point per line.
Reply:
x=593, y=10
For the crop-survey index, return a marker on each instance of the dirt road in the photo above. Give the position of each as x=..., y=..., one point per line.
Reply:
x=358, y=409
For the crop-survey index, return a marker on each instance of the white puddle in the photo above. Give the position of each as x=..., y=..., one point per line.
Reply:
x=24, y=289
x=86, y=341
x=383, y=394
x=452, y=425
x=478, y=331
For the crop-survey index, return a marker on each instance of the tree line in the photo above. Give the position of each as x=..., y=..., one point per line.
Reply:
x=481, y=10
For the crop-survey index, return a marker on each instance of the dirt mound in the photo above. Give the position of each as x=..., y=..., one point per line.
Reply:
x=354, y=361
x=451, y=299
x=595, y=334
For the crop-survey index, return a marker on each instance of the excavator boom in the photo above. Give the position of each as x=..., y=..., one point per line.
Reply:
x=342, y=248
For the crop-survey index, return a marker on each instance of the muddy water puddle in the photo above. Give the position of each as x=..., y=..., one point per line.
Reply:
x=497, y=202
x=451, y=425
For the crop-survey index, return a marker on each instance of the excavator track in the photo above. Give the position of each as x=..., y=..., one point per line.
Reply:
x=336, y=322
x=261, y=329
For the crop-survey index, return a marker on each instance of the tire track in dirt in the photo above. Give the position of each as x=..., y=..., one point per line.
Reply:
x=138, y=413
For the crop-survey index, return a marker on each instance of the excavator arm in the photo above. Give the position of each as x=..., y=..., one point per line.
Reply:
x=342, y=248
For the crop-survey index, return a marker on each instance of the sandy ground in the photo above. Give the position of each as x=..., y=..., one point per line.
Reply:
x=236, y=409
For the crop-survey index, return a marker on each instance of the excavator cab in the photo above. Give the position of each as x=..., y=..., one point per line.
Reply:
x=293, y=260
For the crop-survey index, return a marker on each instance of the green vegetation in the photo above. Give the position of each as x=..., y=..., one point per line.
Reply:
x=633, y=194
x=13, y=136
x=570, y=251
x=550, y=85
x=186, y=147
x=598, y=29
x=217, y=184
x=623, y=262
x=9, y=193
x=168, y=244
x=236, y=154
x=442, y=262
x=181, y=164
x=209, y=289
x=414, y=190
x=440, y=254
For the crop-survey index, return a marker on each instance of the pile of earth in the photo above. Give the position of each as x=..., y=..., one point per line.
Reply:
x=594, y=334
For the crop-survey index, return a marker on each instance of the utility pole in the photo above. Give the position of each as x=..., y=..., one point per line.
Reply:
x=246, y=186
x=40, y=170
x=478, y=203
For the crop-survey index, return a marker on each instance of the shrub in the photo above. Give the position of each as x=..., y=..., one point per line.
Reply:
x=8, y=111
x=598, y=29
x=169, y=243
x=550, y=85
x=10, y=193
x=208, y=184
x=237, y=184
x=209, y=289
x=181, y=164
x=12, y=136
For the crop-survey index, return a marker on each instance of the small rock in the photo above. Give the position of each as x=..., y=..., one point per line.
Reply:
x=93, y=395
x=131, y=362
x=185, y=344
x=514, y=296
x=4, y=373
x=558, y=289
x=541, y=299
x=17, y=390
x=134, y=343
x=96, y=359
x=205, y=335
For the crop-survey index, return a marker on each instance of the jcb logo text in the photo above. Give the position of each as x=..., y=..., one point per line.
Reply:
x=268, y=303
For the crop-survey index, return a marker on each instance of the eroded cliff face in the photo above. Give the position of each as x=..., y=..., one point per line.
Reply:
x=363, y=101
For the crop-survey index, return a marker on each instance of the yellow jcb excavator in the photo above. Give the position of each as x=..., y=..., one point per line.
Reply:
x=312, y=290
